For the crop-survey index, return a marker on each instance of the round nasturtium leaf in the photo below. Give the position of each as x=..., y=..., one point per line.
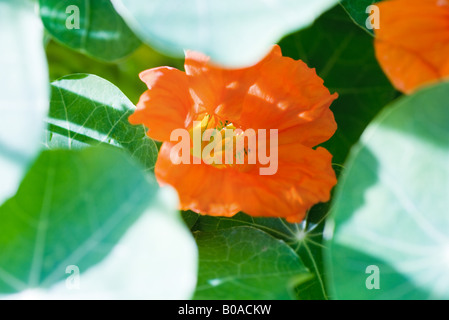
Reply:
x=234, y=33
x=88, y=110
x=246, y=263
x=90, y=224
x=390, y=221
x=91, y=27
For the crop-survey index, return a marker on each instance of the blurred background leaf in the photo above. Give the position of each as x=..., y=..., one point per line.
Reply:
x=233, y=33
x=110, y=221
x=391, y=208
x=24, y=91
x=357, y=10
x=246, y=263
x=88, y=110
x=91, y=27
x=123, y=73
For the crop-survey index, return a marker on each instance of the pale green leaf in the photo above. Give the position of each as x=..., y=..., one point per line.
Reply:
x=93, y=209
x=391, y=208
x=23, y=91
x=233, y=32
x=88, y=110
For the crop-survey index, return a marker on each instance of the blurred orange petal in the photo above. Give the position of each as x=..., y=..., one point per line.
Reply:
x=412, y=44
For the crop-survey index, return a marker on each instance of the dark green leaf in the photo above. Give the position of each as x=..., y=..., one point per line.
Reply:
x=275, y=227
x=358, y=10
x=305, y=238
x=246, y=263
x=190, y=218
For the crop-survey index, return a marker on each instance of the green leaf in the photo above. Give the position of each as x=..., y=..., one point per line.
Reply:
x=304, y=238
x=89, y=26
x=391, y=209
x=357, y=9
x=343, y=56
x=24, y=91
x=124, y=74
x=276, y=227
x=95, y=210
x=246, y=263
x=87, y=110
x=233, y=32
x=190, y=218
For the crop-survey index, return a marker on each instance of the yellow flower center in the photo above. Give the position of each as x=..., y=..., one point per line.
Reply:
x=220, y=143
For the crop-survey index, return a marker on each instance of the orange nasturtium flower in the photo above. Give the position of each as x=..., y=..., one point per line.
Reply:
x=276, y=93
x=412, y=43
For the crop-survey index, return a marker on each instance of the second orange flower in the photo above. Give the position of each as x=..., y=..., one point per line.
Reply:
x=412, y=43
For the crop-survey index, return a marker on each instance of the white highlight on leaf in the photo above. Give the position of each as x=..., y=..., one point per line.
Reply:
x=215, y=282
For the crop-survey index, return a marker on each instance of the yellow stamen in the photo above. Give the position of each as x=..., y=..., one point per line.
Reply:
x=220, y=142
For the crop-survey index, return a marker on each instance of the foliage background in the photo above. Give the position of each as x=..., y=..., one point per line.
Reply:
x=89, y=199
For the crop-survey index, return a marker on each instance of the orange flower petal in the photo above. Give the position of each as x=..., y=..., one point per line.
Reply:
x=221, y=91
x=166, y=105
x=305, y=177
x=201, y=188
x=412, y=44
x=276, y=93
x=297, y=103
